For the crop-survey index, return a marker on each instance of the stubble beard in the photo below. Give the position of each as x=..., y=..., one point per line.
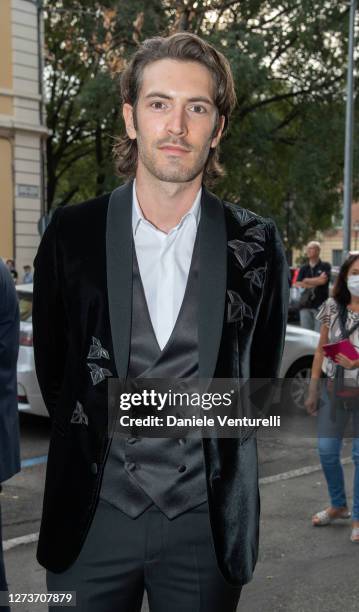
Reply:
x=174, y=171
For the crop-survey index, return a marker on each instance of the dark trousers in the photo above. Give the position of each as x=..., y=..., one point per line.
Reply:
x=3, y=584
x=173, y=560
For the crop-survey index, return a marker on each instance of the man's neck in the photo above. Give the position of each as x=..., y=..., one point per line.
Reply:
x=162, y=203
x=313, y=261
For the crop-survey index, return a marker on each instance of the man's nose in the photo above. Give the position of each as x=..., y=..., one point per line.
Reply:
x=177, y=122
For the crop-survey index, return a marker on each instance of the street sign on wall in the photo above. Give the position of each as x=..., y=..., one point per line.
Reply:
x=28, y=191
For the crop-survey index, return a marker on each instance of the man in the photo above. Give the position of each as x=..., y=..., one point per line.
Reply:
x=313, y=278
x=27, y=278
x=159, y=279
x=9, y=426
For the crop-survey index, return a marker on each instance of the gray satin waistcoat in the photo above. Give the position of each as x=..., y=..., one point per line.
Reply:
x=168, y=472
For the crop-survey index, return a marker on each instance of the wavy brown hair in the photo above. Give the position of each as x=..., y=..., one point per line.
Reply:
x=186, y=47
x=340, y=290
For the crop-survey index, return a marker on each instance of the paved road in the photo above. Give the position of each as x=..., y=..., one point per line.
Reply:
x=300, y=568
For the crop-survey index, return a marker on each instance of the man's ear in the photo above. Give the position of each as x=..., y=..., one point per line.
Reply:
x=218, y=133
x=127, y=112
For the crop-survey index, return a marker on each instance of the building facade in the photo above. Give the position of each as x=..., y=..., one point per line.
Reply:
x=22, y=130
x=331, y=241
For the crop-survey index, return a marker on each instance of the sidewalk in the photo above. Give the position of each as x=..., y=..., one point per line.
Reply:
x=300, y=567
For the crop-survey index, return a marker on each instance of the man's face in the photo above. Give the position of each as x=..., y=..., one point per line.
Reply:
x=175, y=120
x=313, y=252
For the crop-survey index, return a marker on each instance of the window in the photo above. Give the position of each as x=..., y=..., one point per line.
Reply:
x=337, y=255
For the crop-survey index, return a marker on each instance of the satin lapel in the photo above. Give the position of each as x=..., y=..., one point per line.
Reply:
x=119, y=272
x=212, y=281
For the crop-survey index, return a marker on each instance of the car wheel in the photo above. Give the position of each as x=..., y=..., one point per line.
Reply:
x=296, y=384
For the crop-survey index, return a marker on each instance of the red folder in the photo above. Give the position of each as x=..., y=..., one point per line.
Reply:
x=344, y=346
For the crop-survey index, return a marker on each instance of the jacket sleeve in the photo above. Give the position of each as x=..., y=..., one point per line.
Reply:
x=49, y=320
x=9, y=333
x=300, y=274
x=9, y=348
x=270, y=329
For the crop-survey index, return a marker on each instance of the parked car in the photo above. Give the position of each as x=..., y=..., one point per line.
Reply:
x=300, y=345
x=28, y=392
x=299, y=348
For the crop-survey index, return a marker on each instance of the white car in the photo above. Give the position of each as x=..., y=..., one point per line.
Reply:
x=300, y=345
x=299, y=348
x=28, y=392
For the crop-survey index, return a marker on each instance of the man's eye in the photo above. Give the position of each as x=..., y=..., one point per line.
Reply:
x=197, y=108
x=157, y=105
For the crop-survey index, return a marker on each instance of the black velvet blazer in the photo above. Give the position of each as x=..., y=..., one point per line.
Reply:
x=82, y=319
x=9, y=349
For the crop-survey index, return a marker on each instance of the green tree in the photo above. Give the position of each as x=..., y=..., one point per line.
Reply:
x=86, y=46
x=284, y=149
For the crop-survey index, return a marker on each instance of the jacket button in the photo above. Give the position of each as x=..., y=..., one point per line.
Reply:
x=94, y=468
x=130, y=466
x=132, y=440
x=182, y=468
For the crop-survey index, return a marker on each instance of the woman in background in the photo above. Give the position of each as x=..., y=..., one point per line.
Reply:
x=339, y=396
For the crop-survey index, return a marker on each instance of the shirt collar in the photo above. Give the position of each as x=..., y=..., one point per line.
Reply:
x=319, y=263
x=137, y=215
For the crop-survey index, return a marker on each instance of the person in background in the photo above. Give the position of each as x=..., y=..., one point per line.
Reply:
x=313, y=278
x=27, y=278
x=11, y=267
x=339, y=401
x=9, y=425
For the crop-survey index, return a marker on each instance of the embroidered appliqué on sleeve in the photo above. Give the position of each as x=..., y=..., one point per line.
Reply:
x=243, y=215
x=244, y=251
x=97, y=351
x=257, y=232
x=79, y=417
x=98, y=374
x=237, y=308
x=256, y=276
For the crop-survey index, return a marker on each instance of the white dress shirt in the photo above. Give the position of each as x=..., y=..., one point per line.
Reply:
x=164, y=261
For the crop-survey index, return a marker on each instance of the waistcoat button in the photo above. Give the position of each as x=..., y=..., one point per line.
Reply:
x=182, y=468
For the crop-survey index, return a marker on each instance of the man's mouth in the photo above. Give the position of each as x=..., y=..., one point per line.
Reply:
x=173, y=149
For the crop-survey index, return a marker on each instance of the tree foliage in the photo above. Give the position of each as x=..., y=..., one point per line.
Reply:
x=284, y=149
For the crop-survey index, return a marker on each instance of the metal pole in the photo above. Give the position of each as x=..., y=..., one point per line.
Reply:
x=348, y=163
x=39, y=8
